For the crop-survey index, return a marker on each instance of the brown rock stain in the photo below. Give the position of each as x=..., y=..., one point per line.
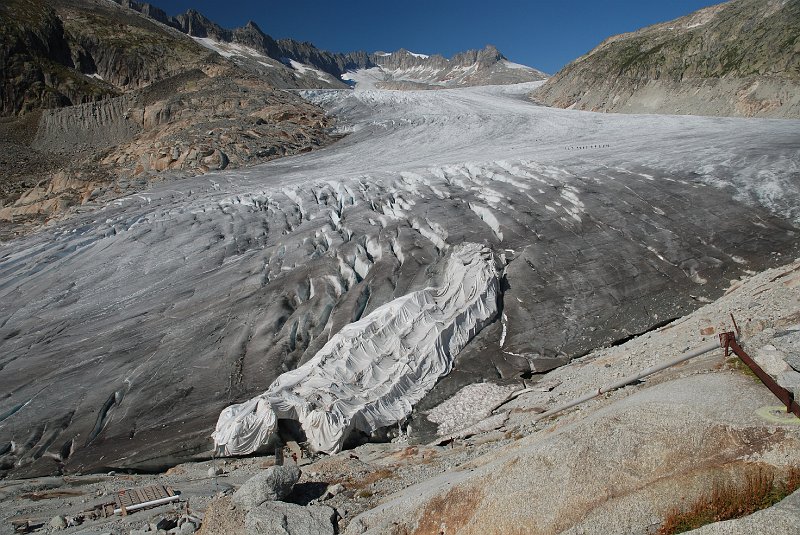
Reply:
x=449, y=513
x=221, y=518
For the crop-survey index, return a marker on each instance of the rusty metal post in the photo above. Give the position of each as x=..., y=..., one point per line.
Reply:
x=728, y=341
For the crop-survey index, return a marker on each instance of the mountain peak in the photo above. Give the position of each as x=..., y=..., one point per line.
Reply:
x=252, y=26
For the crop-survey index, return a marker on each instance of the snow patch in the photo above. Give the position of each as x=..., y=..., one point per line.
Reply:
x=304, y=69
x=229, y=50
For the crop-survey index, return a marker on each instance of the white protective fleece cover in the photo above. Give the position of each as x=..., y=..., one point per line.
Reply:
x=372, y=372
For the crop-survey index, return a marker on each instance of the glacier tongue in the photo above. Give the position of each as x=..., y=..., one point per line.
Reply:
x=372, y=372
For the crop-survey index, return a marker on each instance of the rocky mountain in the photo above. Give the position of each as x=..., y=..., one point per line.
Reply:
x=409, y=70
x=739, y=58
x=398, y=70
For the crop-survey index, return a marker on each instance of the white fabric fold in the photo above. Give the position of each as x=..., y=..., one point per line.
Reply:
x=371, y=373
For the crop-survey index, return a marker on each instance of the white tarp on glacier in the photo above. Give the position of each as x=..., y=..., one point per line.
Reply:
x=372, y=372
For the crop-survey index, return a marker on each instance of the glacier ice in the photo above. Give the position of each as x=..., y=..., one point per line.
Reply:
x=199, y=293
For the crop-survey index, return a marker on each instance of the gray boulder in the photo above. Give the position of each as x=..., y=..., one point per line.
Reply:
x=274, y=483
x=58, y=522
x=333, y=490
x=279, y=518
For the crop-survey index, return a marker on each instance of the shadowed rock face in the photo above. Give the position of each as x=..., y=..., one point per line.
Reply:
x=36, y=61
x=124, y=333
x=738, y=58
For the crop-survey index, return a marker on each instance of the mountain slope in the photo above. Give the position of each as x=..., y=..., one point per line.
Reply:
x=40, y=66
x=98, y=101
x=740, y=58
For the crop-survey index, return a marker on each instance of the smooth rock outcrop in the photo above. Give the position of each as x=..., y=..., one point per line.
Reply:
x=274, y=483
x=612, y=469
x=278, y=518
x=776, y=363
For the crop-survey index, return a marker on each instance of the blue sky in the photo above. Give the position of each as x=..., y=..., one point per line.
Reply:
x=546, y=35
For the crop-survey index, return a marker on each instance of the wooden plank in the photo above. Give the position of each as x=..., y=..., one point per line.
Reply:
x=127, y=498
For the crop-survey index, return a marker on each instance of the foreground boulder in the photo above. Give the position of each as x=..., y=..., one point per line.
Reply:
x=274, y=483
x=279, y=518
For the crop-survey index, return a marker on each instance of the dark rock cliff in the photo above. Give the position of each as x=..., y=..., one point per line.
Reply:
x=39, y=66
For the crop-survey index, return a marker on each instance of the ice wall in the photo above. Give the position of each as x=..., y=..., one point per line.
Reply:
x=373, y=371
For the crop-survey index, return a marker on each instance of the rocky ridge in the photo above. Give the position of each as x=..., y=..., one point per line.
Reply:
x=408, y=70
x=473, y=67
x=739, y=58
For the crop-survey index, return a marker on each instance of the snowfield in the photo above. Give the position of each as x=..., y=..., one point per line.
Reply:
x=126, y=332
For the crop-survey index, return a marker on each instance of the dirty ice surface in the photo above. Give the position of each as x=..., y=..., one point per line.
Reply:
x=125, y=332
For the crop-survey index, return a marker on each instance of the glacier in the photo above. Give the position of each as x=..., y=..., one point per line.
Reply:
x=126, y=331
